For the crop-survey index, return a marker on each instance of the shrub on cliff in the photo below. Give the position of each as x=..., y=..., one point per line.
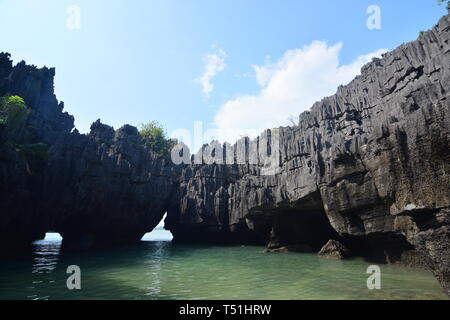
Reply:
x=15, y=134
x=13, y=115
x=444, y=1
x=155, y=138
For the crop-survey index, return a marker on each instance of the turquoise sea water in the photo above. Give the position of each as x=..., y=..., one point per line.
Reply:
x=158, y=269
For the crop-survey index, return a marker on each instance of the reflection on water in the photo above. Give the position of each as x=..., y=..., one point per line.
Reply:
x=158, y=235
x=47, y=253
x=162, y=270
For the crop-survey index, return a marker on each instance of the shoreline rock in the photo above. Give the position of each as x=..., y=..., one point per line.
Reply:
x=334, y=250
x=368, y=166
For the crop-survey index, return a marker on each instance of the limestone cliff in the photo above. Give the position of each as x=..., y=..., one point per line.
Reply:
x=105, y=187
x=109, y=188
x=21, y=187
x=368, y=166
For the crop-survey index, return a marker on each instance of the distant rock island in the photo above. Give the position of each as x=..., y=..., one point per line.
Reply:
x=368, y=168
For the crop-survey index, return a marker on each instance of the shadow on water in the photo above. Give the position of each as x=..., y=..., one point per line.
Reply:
x=162, y=270
x=40, y=272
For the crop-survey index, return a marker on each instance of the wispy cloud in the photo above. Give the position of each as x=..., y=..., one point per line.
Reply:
x=214, y=63
x=288, y=87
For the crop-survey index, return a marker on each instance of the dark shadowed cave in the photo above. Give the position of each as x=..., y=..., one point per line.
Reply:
x=301, y=226
x=309, y=229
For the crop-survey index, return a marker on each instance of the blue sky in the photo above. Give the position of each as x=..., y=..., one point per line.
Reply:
x=138, y=60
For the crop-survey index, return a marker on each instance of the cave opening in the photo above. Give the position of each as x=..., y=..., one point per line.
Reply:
x=52, y=236
x=302, y=226
x=159, y=233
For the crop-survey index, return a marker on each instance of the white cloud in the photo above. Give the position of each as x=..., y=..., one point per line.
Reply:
x=288, y=87
x=214, y=63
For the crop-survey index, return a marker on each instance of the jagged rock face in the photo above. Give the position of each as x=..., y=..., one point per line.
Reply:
x=36, y=87
x=368, y=166
x=21, y=185
x=109, y=188
x=20, y=192
x=375, y=157
x=101, y=188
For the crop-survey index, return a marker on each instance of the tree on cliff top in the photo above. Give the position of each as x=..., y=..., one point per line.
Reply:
x=444, y=1
x=13, y=115
x=155, y=138
x=15, y=134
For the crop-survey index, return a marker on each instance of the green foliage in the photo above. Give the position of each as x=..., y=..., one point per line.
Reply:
x=155, y=138
x=443, y=2
x=16, y=135
x=421, y=33
x=13, y=115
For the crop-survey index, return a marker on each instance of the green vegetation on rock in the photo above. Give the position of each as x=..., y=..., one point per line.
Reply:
x=13, y=115
x=15, y=134
x=443, y=2
x=421, y=33
x=155, y=138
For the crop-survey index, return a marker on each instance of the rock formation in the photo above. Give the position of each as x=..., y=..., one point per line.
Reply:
x=334, y=250
x=109, y=188
x=102, y=188
x=20, y=187
x=368, y=167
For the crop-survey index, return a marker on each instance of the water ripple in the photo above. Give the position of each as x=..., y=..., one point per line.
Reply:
x=161, y=270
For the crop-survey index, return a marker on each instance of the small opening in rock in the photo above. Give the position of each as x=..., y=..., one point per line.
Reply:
x=159, y=233
x=52, y=236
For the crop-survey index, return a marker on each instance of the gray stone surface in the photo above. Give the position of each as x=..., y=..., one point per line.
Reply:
x=368, y=166
x=374, y=158
x=105, y=187
x=102, y=188
x=334, y=250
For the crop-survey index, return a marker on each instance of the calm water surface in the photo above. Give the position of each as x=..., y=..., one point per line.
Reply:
x=157, y=269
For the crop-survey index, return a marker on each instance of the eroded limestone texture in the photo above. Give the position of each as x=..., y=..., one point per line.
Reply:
x=334, y=250
x=368, y=167
x=374, y=158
